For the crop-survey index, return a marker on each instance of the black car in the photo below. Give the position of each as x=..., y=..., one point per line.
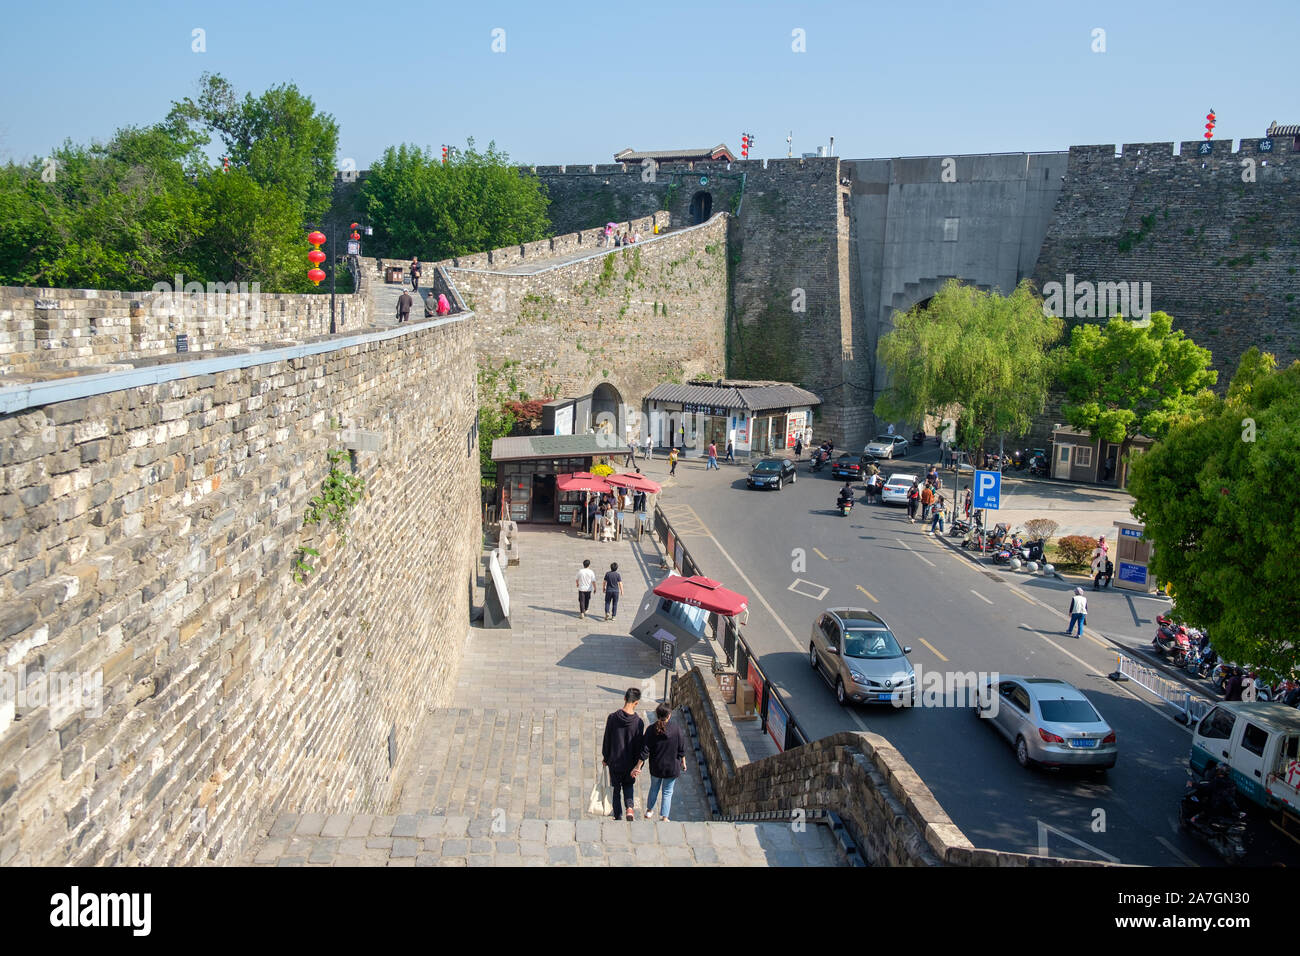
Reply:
x=846, y=466
x=771, y=473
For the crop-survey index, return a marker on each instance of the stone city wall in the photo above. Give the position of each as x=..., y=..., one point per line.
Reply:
x=166, y=686
x=49, y=333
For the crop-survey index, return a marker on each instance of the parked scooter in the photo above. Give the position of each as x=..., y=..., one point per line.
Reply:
x=1038, y=465
x=1222, y=827
x=1171, y=640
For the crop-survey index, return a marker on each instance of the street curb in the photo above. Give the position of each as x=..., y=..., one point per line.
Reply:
x=951, y=543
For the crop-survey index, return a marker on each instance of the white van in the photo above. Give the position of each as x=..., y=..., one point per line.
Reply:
x=1259, y=743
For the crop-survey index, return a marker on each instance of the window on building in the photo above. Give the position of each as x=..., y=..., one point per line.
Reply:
x=1083, y=456
x=950, y=229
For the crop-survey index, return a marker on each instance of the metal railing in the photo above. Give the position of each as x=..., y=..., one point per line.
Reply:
x=773, y=708
x=1173, y=692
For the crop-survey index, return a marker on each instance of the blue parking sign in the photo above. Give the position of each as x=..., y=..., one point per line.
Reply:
x=988, y=490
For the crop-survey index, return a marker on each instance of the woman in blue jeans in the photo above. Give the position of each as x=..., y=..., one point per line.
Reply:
x=665, y=748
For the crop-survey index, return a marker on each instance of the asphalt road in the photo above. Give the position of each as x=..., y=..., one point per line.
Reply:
x=794, y=555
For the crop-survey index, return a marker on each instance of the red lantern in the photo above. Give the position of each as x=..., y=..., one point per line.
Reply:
x=355, y=225
x=316, y=256
x=317, y=238
x=316, y=275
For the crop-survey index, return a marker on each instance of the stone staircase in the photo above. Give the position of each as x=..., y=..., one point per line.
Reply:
x=426, y=839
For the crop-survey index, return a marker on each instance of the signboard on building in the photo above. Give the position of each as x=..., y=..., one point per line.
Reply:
x=793, y=426
x=564, y=420
x=1130, y=533
x=1135, y=573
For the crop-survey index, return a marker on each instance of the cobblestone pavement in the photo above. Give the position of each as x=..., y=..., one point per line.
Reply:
x=523, y=734
x=419, y=839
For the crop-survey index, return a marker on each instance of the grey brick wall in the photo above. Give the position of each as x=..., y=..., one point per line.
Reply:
x=147, y=542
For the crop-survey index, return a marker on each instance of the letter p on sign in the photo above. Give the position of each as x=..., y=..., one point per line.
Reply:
x=988, y=490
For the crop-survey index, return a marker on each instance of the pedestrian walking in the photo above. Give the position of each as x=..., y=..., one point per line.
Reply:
x=586, y=582
x=630, y=459
x=913, y=501
x=891, y=430
x=937, y=517
x=1078, y=611
x=404, y=306
x=649, y=447
x=664, y=748
x=621, y=749
x=613, y=590
x=798, y=446
x=672, y=461
x=415, y=274
x=713, y=457
x=731, y=451
x=927, y=501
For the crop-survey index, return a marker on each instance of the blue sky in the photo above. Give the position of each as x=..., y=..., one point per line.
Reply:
x=579, y=81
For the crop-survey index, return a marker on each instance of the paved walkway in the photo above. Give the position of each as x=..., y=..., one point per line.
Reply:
x=384, y=296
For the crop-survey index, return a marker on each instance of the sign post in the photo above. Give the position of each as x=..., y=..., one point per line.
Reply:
x=667, y=651
x=988, y=495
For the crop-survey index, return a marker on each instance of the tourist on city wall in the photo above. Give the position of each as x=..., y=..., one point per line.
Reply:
x=404, y=306
x=613, y=589
x=620, y=749
x=586, y=582
x=672, y=461
x=415, y=274
x=664, y=747
x=713, y=457
x=444, y=307
x=913, y=501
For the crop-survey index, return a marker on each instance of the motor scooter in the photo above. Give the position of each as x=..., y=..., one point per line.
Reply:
x=1225, y=833
x=845, y=505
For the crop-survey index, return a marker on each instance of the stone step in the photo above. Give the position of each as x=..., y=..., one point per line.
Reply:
x=425, y=839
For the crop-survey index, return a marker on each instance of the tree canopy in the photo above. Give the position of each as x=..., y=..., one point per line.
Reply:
x=420, y=206
x=980, y=351
x=1124, y=379
x=1221, y=506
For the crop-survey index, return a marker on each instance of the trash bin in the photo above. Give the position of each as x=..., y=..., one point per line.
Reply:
x=395, y=274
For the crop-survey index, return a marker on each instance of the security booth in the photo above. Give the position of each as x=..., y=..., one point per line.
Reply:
x=1132, y=558
x=527, y=469
x=677, y=610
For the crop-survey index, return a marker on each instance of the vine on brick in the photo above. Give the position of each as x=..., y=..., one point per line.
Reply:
x=339, y=493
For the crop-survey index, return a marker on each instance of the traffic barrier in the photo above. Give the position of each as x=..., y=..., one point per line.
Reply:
x=1191, y=709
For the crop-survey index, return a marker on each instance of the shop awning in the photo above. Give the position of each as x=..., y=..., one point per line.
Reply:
x=635, y=482
x=702, y=592
x=582, y=481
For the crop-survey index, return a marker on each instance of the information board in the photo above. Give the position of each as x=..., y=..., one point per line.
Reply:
x=777, y=719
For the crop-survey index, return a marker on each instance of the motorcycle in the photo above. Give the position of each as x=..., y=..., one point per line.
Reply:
x=819, y=458
x=1020, y=459
x=1224, y=833
x=845, y=505
x=1201, y=661
x=918, y=438
x=1032, y=550
x=1171, y=640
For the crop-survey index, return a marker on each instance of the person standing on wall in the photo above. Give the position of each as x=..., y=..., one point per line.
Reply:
x=613, y=590
x=664, y=746
x=415, y=274
x=619, y=750
x=586, y=582
x=404, y=307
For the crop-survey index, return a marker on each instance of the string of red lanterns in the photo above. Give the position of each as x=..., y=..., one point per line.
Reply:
x=316, y=274
x=1209, y=126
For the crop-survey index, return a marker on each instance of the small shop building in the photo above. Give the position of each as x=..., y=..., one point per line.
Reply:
x=1076, y=456
x=760, y=418
x=527, y=466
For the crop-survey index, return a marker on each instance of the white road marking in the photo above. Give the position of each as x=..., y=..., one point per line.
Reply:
x=980, y=596
x=918, y=554
x=1174, y=850
x=808, y=584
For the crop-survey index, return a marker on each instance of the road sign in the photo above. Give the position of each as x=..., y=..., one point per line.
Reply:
x=988, y=490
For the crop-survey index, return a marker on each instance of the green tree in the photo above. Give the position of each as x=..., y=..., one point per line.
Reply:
x=279, y=138
x=980, y=352
x=1122, y=379
x=420, y=206
x=1221, y=506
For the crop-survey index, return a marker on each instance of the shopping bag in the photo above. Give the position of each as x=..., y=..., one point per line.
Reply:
x=600, y=803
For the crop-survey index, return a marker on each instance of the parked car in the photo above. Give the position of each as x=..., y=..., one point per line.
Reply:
x=846, y=466
x=858, y=655
x=771, y=473
x=886, y=446
x=896, y=488
x=1259, y=742
x=1049, y=722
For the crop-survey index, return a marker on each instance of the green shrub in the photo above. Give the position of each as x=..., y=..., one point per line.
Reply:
x=1076, y=549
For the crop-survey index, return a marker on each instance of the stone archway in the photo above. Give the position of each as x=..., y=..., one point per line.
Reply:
x=701, y=207
x=607, y=410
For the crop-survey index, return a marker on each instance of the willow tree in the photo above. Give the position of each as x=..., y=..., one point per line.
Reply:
x=983, y=353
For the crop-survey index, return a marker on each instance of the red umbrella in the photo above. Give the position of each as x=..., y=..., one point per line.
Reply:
x=582, y=481
x=636, y=482
x=702, y=592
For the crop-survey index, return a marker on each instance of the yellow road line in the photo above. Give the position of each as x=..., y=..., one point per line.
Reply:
x=932, y=648
x=820, y=555
x=1023, y=596
x=1095, y=641
x=867, y=593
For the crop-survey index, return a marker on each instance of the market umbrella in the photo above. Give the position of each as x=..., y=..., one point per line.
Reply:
x=582, y=481
x=635, y=481
x=702, y=592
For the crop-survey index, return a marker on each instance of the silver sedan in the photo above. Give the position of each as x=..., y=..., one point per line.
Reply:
x=1049, y=722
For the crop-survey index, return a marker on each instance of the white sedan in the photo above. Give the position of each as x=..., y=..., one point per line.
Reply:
x=886, y=446
x=896, y=489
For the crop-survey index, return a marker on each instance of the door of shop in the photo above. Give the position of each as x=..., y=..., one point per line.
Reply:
x=543, y=498
x=715, y=430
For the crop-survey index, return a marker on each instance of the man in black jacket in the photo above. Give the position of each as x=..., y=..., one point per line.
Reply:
x=620, y=750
